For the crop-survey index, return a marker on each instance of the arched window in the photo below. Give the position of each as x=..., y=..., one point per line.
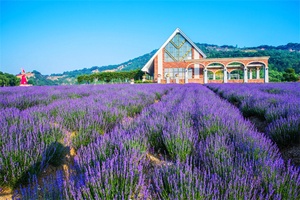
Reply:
x=178, y=49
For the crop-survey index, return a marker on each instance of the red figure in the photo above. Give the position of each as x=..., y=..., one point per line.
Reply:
x=23, y=79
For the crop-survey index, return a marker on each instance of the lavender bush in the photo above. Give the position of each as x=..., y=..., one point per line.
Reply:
x=52, y=187
x=117, y=177
x=276, y=103
x=27, y=145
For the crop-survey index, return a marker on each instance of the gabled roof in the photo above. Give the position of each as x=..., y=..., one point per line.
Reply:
x=150, y=62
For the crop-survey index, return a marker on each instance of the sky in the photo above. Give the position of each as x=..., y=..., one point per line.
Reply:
x=57, y=36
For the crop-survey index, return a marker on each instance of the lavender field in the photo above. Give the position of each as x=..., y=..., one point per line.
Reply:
x=149, y=141
x=276, y=106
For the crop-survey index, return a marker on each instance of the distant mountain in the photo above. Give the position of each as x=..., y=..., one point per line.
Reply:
x=126, y=66
x=289, y=47
x=36, y=78
x=282, y=57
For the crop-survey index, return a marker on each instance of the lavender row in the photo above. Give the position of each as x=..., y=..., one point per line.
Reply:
x=118, y=177
x=277, y=104
x=127, y=143
x=23, y=98
x=27, y=146
x=111, y=167
x=36, y=136
x=220, y=143
x=97, y=114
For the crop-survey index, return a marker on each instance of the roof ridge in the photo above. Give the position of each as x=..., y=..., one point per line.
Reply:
x=177, y=30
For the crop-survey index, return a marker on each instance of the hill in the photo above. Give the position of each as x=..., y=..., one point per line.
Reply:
x=281, y=58
x=129, y=65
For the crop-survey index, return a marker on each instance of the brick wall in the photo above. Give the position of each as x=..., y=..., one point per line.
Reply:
x=173, y=65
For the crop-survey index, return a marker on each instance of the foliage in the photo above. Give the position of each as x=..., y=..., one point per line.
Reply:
x=141, y=81
x=275, y=76
x=109, y=76
x=8, y=80
x=290, y=75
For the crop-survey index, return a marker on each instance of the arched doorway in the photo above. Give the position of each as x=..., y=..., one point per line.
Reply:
x=236, y=72
x=258, y=72
x=215, y=73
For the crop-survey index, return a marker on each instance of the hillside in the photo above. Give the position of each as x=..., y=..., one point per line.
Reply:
x=69, y=77
x=282, y=57
x=125, y=66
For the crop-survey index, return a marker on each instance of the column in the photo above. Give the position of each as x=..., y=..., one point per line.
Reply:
x=177, y=78
x=214, y=75
x=160, y=63
x=257, y=73
x=266, y=74
x=225, y=75
x=229, y=75
x=205, y=75
x=186, y=76
x=245, y=75
x=168, y=79
x=250, y=73
x=158, y=78
x=196, y=71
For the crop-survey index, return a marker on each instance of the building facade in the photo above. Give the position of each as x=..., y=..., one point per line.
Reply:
x=179, y=60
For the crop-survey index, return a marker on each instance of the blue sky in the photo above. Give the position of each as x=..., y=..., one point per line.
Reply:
x=58, y=36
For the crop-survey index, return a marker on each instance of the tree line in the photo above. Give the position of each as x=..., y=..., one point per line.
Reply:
x=107, y=77
x=7, y=79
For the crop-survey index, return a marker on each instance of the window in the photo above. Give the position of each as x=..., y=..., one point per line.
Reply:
x=179, y=71
x=190, y=73
x=166, y=72
x=178, y=49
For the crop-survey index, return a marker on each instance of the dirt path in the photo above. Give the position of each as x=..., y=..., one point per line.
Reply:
x=154, y=161
x=70, y=152
x=5, y=193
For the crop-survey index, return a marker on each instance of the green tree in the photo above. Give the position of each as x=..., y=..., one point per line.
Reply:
x=110, y=76
x=13, y=80
x=80, y=79
x=30, y=82
x=3, y=80
x=8, y=80
x=290, y=75
x=275, y=76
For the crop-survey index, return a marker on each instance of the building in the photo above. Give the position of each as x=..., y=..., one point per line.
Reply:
x=179, y=60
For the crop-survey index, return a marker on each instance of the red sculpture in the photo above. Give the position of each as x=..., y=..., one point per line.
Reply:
x=23, y=78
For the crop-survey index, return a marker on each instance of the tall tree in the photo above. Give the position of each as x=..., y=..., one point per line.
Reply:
x=8, y=79
x=290, y=75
